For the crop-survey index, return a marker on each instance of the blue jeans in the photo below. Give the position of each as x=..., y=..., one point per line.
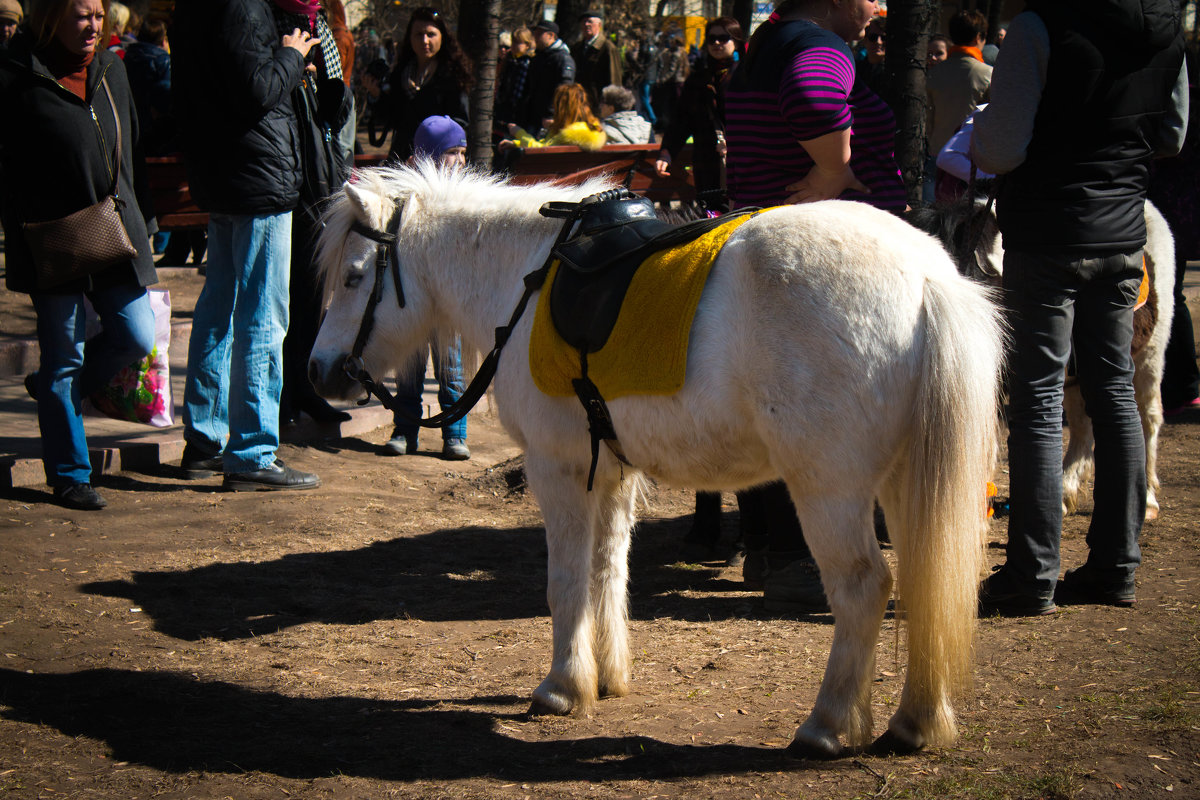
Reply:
x=235, y=356
x=646, y=109
x=72, y=368
x=1052, y=300
x=447, y=366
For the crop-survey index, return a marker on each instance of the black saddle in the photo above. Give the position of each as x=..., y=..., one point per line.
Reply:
x=617, y=232
x=615, y=236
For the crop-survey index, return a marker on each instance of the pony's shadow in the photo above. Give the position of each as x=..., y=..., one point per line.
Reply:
x=471, y=573
x=179, y=723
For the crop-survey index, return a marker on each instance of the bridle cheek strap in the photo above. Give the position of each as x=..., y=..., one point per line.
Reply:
x=357, y=370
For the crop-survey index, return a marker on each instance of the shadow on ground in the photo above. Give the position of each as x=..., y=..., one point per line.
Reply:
x=178, y=723
x=471, y=573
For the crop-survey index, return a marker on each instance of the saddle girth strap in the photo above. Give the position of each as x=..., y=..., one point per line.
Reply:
x=600, y=424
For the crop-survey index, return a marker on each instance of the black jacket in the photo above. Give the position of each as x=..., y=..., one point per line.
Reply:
x=549, y=69
x=1109, y=78
x=700, y=113
x=322, y=105
x=231, y=91
x=597, y=65
x=441, y=96
x=57, y=159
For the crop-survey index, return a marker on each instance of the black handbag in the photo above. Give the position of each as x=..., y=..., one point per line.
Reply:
x=87, y=241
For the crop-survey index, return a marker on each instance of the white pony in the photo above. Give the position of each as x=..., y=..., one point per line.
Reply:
x=1153, y=324
x=834, y=346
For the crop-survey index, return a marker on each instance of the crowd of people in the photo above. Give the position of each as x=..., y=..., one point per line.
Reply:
x=258, y=96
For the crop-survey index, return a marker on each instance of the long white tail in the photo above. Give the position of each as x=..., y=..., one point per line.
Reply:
x=942, y=497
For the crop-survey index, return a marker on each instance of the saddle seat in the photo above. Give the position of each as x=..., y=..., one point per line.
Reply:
x=596, y=267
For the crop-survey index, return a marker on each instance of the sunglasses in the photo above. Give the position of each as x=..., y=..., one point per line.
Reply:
x=718, y=38
x=876, y=37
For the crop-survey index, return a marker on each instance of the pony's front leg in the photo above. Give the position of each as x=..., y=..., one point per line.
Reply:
x=840, y=533
x=1079, y=462
x=610, y=579
x=562, y=496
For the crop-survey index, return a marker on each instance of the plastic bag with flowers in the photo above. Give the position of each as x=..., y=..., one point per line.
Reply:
x=141, y=392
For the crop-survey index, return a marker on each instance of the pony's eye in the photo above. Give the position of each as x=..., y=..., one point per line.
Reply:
x=353, y=280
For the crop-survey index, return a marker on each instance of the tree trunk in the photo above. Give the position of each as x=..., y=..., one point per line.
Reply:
x=909, y=25
x=743, y=10
x=479, y=27
x=567, y=17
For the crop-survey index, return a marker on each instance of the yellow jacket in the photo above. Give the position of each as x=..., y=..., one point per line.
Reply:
x=577, y=133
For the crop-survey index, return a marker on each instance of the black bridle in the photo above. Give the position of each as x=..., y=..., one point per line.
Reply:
x=385, y=255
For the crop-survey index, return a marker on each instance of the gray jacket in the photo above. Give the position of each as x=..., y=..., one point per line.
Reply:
x=626, y=127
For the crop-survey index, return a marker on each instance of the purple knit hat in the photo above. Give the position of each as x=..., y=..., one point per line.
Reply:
x=436, y=135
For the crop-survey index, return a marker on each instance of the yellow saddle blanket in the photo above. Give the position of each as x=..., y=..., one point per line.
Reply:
x=646, y=353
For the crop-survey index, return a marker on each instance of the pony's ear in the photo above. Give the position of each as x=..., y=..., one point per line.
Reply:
x=368, y=206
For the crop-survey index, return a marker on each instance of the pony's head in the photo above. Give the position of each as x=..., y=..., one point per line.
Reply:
x=402, y=247
x=372, y=312
x=970, y=234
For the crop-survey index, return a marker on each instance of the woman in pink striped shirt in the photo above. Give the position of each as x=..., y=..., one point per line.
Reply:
x=799, y=128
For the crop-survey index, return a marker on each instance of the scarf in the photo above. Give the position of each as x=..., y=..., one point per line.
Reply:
x=330, y=65
x=974, y=52
x=413, y=80
x=718, y=71
x=69, y=69
x=304, y=8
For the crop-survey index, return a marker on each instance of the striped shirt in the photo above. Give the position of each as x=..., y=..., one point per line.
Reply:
x=800, y=86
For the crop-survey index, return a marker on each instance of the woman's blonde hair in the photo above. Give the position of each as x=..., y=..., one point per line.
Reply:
x=46, y=15
x=571, y=106
x=117, y=18
x=523, y=35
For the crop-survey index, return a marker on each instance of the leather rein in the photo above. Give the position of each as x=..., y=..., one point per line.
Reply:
x=385, y=256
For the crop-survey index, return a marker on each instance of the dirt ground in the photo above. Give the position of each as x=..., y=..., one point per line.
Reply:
x=380, y=636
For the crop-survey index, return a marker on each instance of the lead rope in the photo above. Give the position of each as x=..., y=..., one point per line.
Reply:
x=356, y=369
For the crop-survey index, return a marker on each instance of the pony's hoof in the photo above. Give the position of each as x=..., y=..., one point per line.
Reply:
x=614, y=690
x=1151, y=513
x=823, y=749
x=539, y=708
x=892, y=744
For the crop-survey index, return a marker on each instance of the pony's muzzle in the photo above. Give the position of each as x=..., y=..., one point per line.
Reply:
x=336, y=380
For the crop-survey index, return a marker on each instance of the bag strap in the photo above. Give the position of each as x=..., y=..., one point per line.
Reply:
x=116, y=119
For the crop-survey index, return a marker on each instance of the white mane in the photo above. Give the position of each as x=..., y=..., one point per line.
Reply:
x=487, y=198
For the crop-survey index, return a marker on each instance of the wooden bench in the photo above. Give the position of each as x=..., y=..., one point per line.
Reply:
x=570, y=165
x=177, y=210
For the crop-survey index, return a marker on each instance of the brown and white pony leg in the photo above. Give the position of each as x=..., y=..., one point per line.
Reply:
x=1147, y=388
x=1079, y=462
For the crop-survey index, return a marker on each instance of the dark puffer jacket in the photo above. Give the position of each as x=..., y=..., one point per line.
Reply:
x=1082, y=186
x=56, y=159
x=232, y=83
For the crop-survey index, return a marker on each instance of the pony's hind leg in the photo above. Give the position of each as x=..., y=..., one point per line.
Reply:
x=571, y=684
x=840, y=533
x=610, y=578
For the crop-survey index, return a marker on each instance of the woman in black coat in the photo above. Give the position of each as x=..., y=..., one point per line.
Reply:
x=700, y=113
x=58, y=146
x=431, y=78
